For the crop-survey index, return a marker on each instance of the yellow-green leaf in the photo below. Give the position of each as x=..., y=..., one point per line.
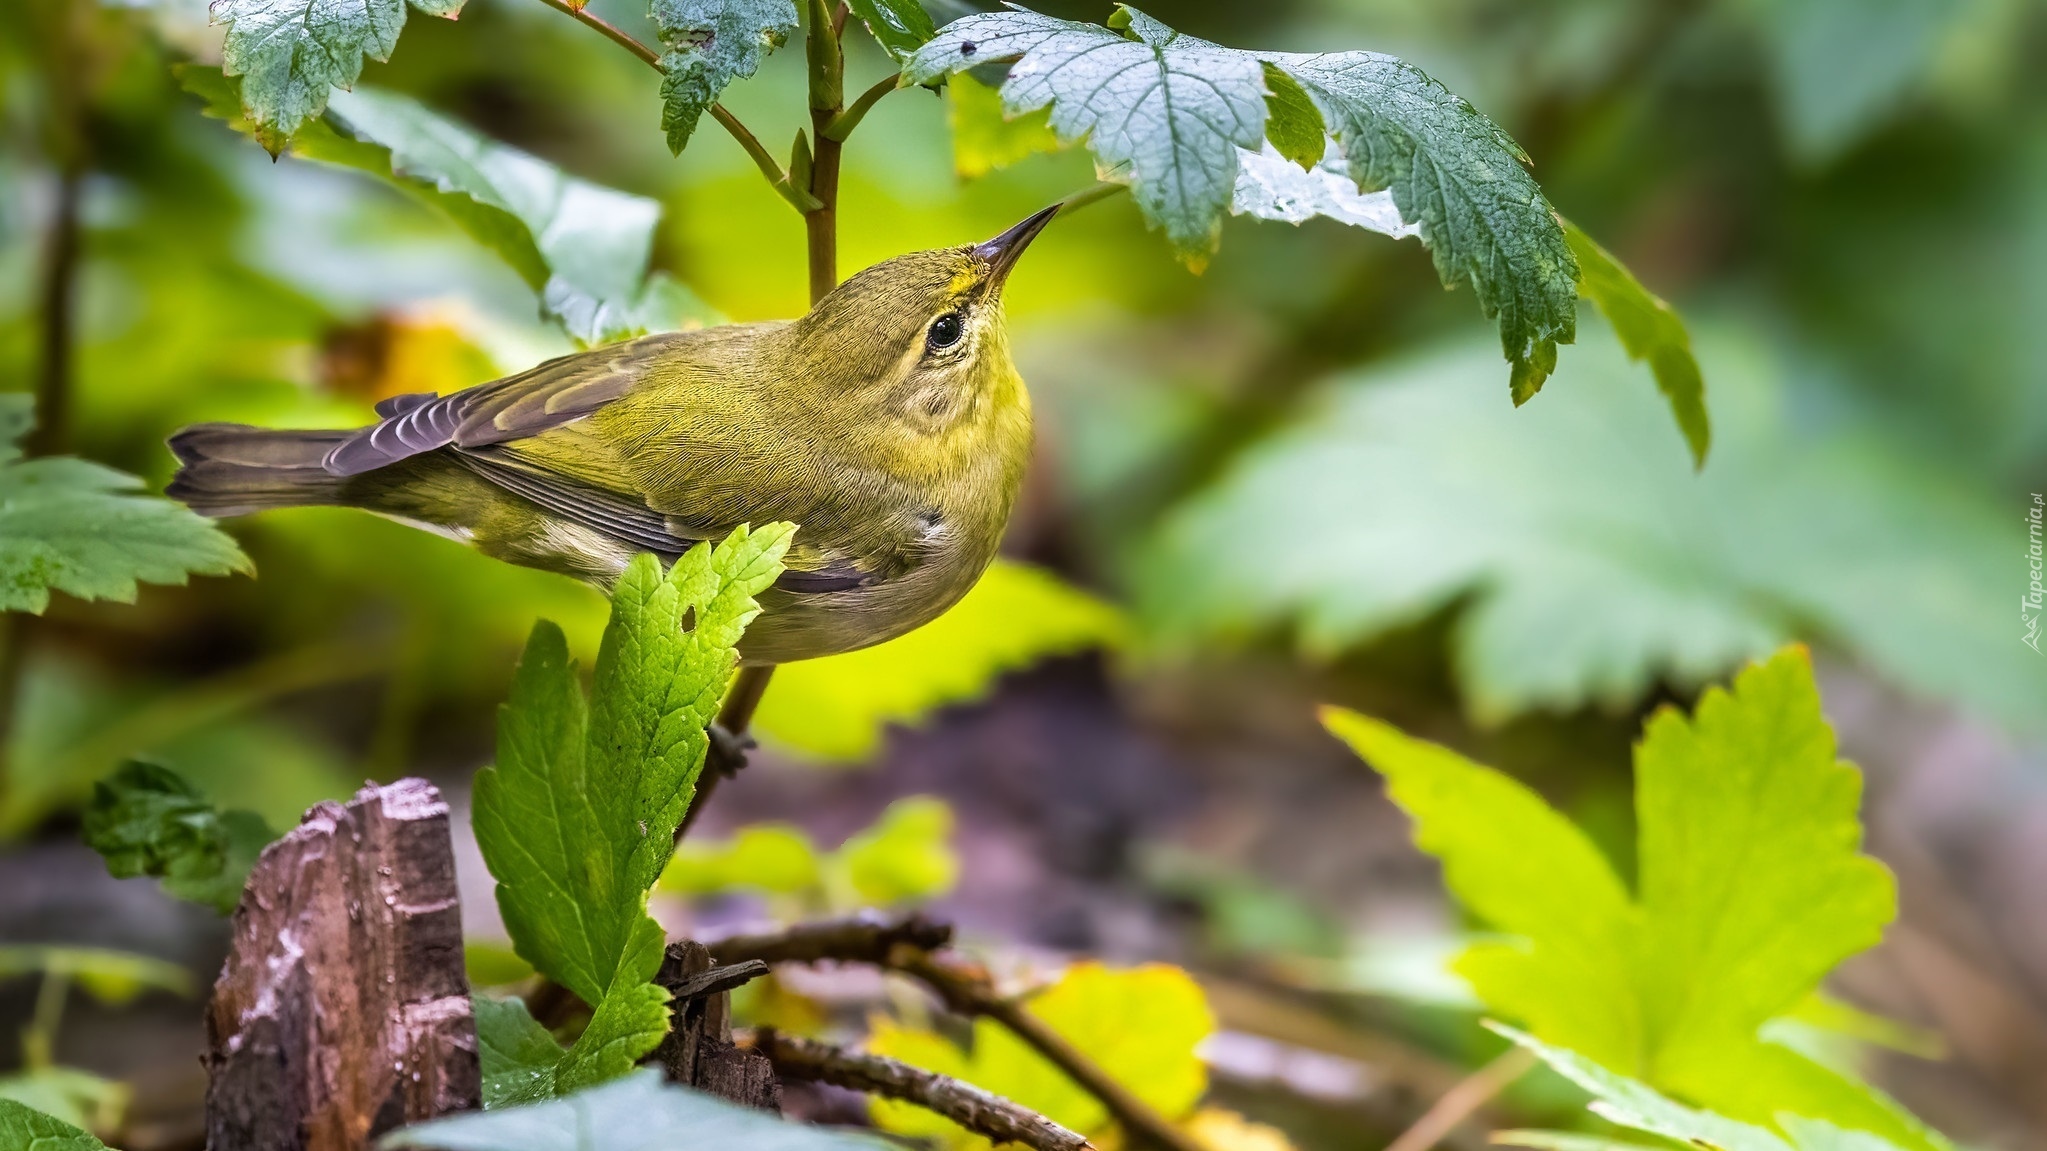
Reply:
x=1650, y=330
x=1141, y=1025
x=1752, y=887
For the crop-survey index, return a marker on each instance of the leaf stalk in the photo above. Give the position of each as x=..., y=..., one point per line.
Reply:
x=762, y=158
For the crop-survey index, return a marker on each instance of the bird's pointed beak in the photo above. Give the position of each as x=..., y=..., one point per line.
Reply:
x=1002, y=251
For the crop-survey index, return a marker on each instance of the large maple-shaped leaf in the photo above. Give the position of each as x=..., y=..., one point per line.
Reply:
x=76, y=527
x=1752, y=887
x=1585, y=560
x=710, y=44
x=291, y=54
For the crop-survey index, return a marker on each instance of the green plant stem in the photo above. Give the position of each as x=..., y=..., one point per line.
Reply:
x=1093, y=194
x=39, y=1038
x=827, y=99
x=762, y=158
x=843, y=124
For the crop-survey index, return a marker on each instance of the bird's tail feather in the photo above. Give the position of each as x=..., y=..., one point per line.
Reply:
x=234, y=469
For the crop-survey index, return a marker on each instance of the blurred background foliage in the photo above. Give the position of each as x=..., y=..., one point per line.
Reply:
x=1294, y=477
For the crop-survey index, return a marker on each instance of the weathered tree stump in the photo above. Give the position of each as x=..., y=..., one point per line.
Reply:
x=343, y=1009
x=698, y=1050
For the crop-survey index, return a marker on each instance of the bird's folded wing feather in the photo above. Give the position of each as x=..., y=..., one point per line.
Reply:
x=496, y=430
x=810, y=568
x=534, y=401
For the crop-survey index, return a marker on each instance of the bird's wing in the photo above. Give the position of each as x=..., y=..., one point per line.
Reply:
x=548, y=396
x=810, y=568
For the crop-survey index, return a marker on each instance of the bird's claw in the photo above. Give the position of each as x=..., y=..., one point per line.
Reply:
x=728, y=750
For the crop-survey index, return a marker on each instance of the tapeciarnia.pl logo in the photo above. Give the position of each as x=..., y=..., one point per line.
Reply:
x=2035, y=599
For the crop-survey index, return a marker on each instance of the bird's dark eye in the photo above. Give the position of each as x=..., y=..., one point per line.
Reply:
x=945, y=331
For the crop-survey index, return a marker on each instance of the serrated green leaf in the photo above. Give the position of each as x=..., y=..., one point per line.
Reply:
x=1293, y=125
x=146, y=820
x=899, y=26
x=1460, y=179
x=292, y=53
x=711, y=43
x=578, y=817
x=1751, y=889
x=1650, y=330
x=1161, y=110
x=519, y=1057
x=28, y=1129
x=1141, y=1025
x=581, y=247
x=984, y=137
x=1597, y=562
x=838, y=708
x=635, y=1113
x=86, y=530
x=522, y=1063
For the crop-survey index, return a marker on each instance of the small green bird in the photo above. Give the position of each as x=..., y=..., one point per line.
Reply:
x=889, y=424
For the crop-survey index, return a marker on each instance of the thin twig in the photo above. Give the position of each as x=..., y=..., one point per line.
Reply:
x=761, y=157
x=979, y=1111
x=969, y=991
x=778, y=177
x=1460, y=1101
x=870, y=938
x=611, y=32
x=964, y=988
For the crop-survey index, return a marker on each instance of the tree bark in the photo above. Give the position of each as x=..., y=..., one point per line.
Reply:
x=343, y=1009
x=699, y=1050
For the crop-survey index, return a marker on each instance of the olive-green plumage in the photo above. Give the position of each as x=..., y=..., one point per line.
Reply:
x=889, y=424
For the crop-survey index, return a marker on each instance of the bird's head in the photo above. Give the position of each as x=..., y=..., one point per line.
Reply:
x=922, y=333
